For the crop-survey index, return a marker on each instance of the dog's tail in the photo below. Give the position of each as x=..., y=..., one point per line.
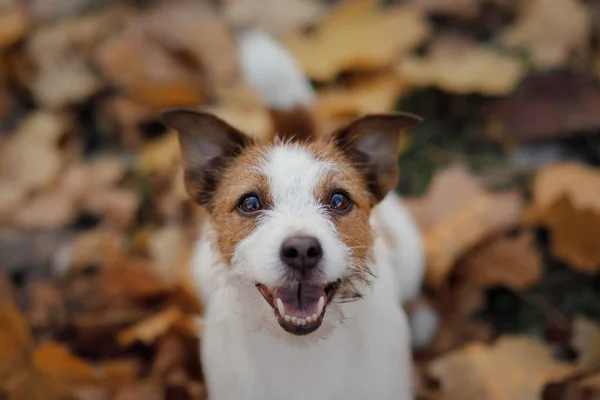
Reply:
x=278, y=79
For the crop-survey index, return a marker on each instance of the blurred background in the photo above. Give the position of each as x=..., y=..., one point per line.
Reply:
x=503, y=178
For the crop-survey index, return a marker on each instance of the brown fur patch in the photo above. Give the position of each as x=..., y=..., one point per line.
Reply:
x=240, y=178
x=298, y=124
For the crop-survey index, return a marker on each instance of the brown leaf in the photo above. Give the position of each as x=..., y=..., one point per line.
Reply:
x=150, y=329
x=356, y=36
x=201, y=34
x=372, y=94
x=159, y=156
x=513, y=368
x=13, y=25
x=455, y=214
x=146, y=70
x=552, y=105
x=278, y=17
x=461, y=66
x=46, y=311
x=552, y=30
x=50, y=210
x=565, y=200
x=586, y=340
x=514, y=262
x=58, y=52
x=15, y=341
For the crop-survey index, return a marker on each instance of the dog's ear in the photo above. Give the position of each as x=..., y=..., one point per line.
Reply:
x=207, y=145
x=371, y=143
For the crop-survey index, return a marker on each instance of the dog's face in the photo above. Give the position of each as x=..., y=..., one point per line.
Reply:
x=290, y=217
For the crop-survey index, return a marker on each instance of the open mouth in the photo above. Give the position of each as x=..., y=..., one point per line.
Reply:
x=300, y=306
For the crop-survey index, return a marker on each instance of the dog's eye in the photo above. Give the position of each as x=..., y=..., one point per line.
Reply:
x=249, y=204
x=339, y=202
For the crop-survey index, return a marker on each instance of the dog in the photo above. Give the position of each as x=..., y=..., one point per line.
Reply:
x=307, y=253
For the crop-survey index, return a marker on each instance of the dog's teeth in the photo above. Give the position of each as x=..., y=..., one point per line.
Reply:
x=309, y=319
x=320, y=305
x=280, y=306
x=314, y=317
x=287, y=318
x=294, y=320
x=303, y=322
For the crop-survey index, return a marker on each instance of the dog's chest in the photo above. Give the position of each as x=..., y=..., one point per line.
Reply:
x=364, y=358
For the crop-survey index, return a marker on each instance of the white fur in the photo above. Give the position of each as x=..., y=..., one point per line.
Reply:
x=361, y=350
x=269, y=67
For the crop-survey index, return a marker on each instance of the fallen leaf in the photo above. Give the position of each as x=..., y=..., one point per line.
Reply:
x=356, y=36
x=254, y=120
x=373, y=94
x=455, y=214
x=551, y=30
x=513, y=368
x=565, y=201
x=277, y=17
x=63, y=74
x=461, y=66
x=15, y=341
x=161, y=155
x=200, y=34
x=546, y=106
x=514, y=262
x=586, y=340
x=50, y=210
x=32, y=158
x=146, y=71
x=46, y=312
x=13, y=25
x=150, y=329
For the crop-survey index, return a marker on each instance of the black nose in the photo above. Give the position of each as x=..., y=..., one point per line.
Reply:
x=301, y=252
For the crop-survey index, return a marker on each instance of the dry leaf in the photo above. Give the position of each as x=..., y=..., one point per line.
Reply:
x=58, y=51
x=513, y=368
x=586, y=340
x=458, y=65
x=277, y=17
x=356, y=36
x=252, y=119
x=13, y=25
x=201, y=34
x=32, y=158
x=374, y=94
x=146, y=71
x=566, y=201
x=50, y=210
x=150, y=329
x=514, y=262
x=159, y=156
x=551, y=30
x=455, y=214
x=547, y=106
x=15, y=341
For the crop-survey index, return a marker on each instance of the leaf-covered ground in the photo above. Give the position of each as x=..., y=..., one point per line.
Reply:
x=503, y=177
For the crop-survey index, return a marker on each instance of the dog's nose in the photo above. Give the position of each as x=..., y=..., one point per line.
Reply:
x=301, y=252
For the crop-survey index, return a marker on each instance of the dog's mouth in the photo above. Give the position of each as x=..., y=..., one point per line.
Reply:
x=300, y=306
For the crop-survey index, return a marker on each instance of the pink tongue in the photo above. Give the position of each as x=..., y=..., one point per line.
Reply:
x=301, y=299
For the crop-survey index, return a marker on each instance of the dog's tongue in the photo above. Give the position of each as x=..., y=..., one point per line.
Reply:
x=301, y=299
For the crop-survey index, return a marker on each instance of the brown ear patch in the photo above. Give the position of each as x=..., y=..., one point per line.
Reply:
x=207, y=144
x=238, y=179
x=371, y=145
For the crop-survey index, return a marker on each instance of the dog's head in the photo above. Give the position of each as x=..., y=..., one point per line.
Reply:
x=292, y=217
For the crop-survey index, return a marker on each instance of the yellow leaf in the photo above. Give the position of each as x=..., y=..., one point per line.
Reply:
x=586, y=340
x=14, y=22
x=359, y=35
x=515, y=368
x=376, y=94
x=463, y=67
x=566, y=200
x=551, y=30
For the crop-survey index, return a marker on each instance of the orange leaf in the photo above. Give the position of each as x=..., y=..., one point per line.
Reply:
x=150, y=329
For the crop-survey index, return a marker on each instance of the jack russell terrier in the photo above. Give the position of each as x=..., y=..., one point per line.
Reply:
x=307, y=254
